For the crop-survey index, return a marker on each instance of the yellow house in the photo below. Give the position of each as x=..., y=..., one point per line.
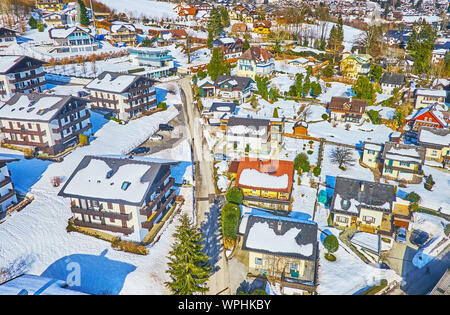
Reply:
x=353, y=65
x=262, y=27
x=255, y=61
x=403, y=162
x=372, y=154
x=50, y=5
x=233, y=15
x=123, y=34
x=282, y=249
x=266, y=184
x=436, y=142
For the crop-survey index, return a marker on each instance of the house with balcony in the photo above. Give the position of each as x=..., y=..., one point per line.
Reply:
x=123, y=35
x=50, y=5
x=354, y=65
x=436, y=143
x=72, y=40
x=45, y=123
x=266, y=183
x=255, y=61
x=346, y=109
x=120, y=194
x=234, y=88
x=433, y=116
x=7, y=36
x=160, y=62
x=261, y=27
x=283, y=249
x=364, y=205
x=20, y=74
x=123, y=95
x=230, y=47
x=8, y=196
x=427, y=97
x=403, y=162
x=253, y=137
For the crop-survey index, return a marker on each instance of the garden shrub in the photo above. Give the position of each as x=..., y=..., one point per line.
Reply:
x=234, y=195
x=230, y=223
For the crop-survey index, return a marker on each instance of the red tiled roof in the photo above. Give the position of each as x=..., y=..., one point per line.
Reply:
x=257, y=54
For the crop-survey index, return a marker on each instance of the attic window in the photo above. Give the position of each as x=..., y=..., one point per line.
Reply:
x=109, y=174
x=345, y=204
x=125, y=185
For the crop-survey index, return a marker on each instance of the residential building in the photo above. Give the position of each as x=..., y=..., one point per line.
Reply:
x=217, y=111
x=43, y=122
x=427, y=97
x=164, y=37
x=430, y=116
x=346, y=109
x=160, y=62
x=72, y=40
x=402, y=162
x=50, y=5
x=436, y=143
x=255, y=61
x=353, y=65
x=390, y=81
x=230, y=47
x=261, y=27
x=253, y=137
x=124, y=95
x=120, y=194
x=207, y=86
x=364, y=205
x=372, y=154
x=239, y=28
x=7, y=36
x=8, y=196
x=266, y=183
x=20, y=74
x=123, y=35
x=234, y=88
x=283, y=249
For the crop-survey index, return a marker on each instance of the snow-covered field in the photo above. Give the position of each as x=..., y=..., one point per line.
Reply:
x=35, y=240
x=143, y=8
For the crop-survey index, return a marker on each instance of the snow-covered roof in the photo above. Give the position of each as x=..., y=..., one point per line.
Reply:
x=59, y=32
x=403, y=152
x=372, y=146
x=112, y=179
x=251, y=177
x=281, y=237
x=116, y=27
x=429, y=92
x=439, y=137
x=113, y=82
x=6, y=62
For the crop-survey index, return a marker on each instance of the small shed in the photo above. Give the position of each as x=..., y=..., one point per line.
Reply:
x=300, y=128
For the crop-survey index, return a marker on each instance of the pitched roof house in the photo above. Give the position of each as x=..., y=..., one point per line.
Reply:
x=346, y=109
x=255, y=61
x=436, y=143
x=430, y=116
x=233, y=87
x=389, y=81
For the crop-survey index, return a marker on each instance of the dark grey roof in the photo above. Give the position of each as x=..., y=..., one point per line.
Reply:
x=307, y=235
x=256, y=124
x=392, y=78
x=439, y=132
x=404, y=151
x=231, y=107
x=152, y=176
x=361, y=193
x=242, y=82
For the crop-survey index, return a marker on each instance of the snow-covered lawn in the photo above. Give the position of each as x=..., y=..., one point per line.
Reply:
x=336, y=89
x=36, y=238
x=304, y=196
x=143, y=8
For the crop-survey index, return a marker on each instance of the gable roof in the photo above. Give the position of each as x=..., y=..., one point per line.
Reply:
x=114, y=82
x=403, y=152
x=393, y=78
x=247, y=126
x=116, y=27
x=223, y=107
x=35, y=107
x=103, y=177
x=347, y=104
x=350, y=195
x=281, y=237
x=238, y=83
x=437, y=114
x=9, y=62
x=433, y=137
x=6, y=32
x=64, y=32
x=257, y=54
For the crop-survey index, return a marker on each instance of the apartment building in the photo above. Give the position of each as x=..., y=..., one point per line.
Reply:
x=72, y=40
x=230, y=47
x=20, y=74
x=50, y=5
x=255, y=61
x=124, y=95
x=8, y=196
x=123, y=34
x=427, y=97
x=120, y=194
x=402, y=162
x=45, y=123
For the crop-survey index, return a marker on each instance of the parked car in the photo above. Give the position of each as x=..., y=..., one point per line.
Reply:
x=165, y=127
x=401, y=235
x=156, y=137
x=140, y=150
x=418, y=237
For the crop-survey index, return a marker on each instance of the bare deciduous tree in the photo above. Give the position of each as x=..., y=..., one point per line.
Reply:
x=342, y=156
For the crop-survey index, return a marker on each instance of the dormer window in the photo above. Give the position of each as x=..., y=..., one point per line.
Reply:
x=125, y=185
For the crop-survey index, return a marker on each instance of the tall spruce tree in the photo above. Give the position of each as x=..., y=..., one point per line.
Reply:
x=188, y=264
x=84, y=18
x=217, y=65
x=421, y=45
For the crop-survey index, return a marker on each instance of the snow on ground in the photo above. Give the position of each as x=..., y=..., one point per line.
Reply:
x=282, y=82
x=336, y=89
x=355, y=171
x=36, y=238
x=222, y=183
x=355, y=136
x=143, y=8
x=439, y=196
x=415, y=18
x=385, y=112
x=304, y=196
x=292, y=147
x=381, y=97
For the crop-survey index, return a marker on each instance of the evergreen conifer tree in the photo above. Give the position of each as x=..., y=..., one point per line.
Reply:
x=84, y=18
x=188, y=264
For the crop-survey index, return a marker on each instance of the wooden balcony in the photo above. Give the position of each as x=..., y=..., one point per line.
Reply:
x=101, y=213
x=5, y=181
x=147, y=210
x=72, y=123
x=24, y=131
x=22, y=142
x=111, y=228
x=8, y=195
x=29, y=77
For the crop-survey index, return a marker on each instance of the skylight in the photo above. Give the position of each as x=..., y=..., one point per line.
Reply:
x=125, y=185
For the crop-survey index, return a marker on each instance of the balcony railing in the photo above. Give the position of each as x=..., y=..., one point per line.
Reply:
x=147, y=209
x=22, y=142
x=100, y=213
x=111, y=228
x=8, y=195
x=24, y=131
x=5, y=181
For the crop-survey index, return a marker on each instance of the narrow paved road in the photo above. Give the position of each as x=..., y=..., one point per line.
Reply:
x=207, y=206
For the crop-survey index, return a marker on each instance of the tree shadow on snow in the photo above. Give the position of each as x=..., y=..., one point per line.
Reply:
x=211, y=232
x=91, y=274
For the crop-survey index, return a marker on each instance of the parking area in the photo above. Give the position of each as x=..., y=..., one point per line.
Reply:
x=400, y=255
x=170, y=138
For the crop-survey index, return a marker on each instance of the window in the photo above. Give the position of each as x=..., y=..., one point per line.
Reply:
x=341, y=219
x=258, y=261
x=368, y=219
